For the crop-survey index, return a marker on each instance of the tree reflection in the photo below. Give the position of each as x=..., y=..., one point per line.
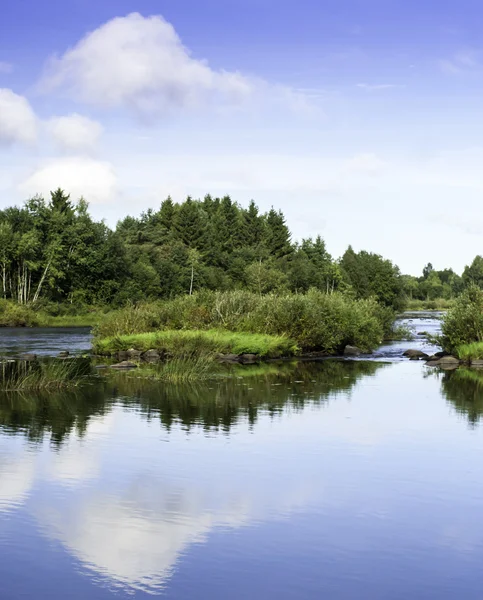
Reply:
x=217, y=404
x=464, y=389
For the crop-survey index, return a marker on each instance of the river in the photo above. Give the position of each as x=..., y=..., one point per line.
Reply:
x=335, y=479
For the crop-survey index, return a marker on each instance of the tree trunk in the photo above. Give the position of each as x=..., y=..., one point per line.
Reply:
x=42, y=279
x=192, y=278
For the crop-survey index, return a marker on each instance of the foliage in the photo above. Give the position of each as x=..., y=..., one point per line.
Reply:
x=370, y=275
x=316, y=320
x=463, y=324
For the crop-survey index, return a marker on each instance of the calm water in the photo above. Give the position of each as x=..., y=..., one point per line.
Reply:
x=337, y=480
x=44, y=341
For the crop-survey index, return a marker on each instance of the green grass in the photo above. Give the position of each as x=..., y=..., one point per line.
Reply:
x=42, y=375
x=197, y=343
x=88, y=320
x=184, y=369
x=469, y=352
x=436, y=304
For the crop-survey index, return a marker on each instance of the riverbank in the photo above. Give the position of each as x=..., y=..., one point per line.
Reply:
x=17, y=315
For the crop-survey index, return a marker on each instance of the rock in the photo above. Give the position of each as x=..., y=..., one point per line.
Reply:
x=122, y=355
x=352, y=351
x=28, y=357
x=437, y=356
x=421, y=333
x=414, y=358
x=63, y=354
x=448, y=360
x=228, y=358
x=248, y=359
x=125, y=364
x=417, y=354
x=445, y=362
x=134, y=354
x=151, y=356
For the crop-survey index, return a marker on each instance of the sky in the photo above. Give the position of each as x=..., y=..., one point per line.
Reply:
x=360, y=119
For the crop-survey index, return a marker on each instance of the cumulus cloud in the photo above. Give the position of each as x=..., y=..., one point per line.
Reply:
x=75, y=132
x=18, y=122
x=80, y=176
x=5, y=67
x=140, y=62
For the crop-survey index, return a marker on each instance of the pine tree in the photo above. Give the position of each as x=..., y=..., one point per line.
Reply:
x=277, y=236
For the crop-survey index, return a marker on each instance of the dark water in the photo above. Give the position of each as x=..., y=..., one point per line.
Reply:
x=43, y=341
x=338, y=480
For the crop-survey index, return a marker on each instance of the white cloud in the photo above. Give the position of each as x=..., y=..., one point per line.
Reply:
x=140, y=62
x=18, y=122
x=5, y=67
x=80, y=176
x=17, y=473
x=75, y=132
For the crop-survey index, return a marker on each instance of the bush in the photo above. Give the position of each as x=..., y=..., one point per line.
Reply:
x=315, y=321
x=16, y=315
x=463, y=324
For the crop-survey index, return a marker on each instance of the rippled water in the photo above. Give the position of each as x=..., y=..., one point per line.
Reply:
x=44, y=341
x=340, y=480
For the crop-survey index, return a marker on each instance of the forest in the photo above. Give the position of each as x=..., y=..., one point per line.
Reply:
x=53, y=253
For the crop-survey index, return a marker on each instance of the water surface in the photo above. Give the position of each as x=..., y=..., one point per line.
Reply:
x=340, y=480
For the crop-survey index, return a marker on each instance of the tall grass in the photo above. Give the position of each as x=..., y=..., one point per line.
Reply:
x=315, y=321
x=42, y=375
x=181, y=369
x=182, y=343
x=469, y=352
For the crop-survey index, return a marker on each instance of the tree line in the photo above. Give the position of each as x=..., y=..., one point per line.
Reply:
x=54, y=251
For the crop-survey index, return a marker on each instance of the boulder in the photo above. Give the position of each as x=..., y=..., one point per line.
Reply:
x=228, y=358
x=445, y=362
x=134, y=354
x=122, y=355
x=448, y=360
x=352, y=351
x=125, y=364
x=151, y=356
x=248, y=359
x=63, y=354
x=415, y=354
x=437, y=356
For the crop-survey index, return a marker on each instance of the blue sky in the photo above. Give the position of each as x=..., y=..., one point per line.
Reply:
x=361, y=120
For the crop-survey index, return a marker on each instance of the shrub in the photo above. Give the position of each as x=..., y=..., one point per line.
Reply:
x=315, y=321
x=463, y=324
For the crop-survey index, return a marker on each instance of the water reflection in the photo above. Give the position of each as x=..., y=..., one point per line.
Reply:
x=464, y=389
x=127, y=509
x=218, y=404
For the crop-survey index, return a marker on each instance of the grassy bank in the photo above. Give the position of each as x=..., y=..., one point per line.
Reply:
x=182, y=343
x=314, y=321
x=436, y=304
x=16, y=315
